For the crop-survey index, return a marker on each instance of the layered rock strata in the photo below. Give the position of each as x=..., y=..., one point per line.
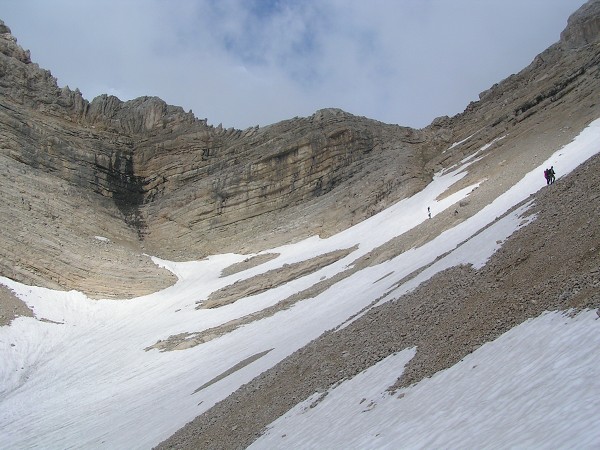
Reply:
x=154, y=179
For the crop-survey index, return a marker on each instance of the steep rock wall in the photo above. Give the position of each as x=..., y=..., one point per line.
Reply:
x=157, y=180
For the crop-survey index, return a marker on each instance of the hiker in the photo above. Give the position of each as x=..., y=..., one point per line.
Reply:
x=552, y=174
x=429, y=212
x=547, y=175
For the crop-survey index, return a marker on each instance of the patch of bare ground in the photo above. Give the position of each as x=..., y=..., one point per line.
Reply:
x=551, y=264
x=520, y=149
x=11, y=307
x=233, y=369
x=248, y=263
x=271, y=279
x=187, y=340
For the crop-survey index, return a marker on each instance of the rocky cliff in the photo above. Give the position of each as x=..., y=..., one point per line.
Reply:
x=126, y=179
x=152, y=178
x=88, y=189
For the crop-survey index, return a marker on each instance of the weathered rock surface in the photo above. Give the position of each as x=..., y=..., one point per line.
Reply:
x=89, y=188
x=582, y=27
x=155, y=179
x=11, y=307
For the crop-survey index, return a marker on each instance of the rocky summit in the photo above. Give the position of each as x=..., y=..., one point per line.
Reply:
x=90, y=189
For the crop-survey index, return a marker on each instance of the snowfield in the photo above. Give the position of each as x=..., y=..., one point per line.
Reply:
x=534, y=387
x=80, y=375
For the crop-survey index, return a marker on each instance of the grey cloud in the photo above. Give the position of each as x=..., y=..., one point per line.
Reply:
x=244, y=63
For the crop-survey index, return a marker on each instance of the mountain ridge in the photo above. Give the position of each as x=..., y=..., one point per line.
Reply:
x=126, y=179
x=164, y=172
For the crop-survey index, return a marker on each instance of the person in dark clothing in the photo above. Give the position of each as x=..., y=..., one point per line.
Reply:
x=547, y=175
x=552, y=174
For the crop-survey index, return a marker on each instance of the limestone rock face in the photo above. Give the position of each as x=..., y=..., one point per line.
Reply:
x=583, y=27
x=136, y=116
x=9, y=46
x=153, y=179
x=222, y=190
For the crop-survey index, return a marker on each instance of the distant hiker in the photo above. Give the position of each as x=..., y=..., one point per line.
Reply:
x=429, y=212
x=547, y=175
x=552, y=174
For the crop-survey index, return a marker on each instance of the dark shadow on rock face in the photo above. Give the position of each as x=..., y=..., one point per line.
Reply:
x=127, y=190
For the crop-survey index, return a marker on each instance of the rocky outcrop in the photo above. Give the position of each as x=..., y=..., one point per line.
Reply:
x=583, y=27
x=135, y=117
x=224, y=190
x=563, y=78
x=9, y=46
x=156, y=180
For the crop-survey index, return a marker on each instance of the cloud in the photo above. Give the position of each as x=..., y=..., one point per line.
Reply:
x=247, y=62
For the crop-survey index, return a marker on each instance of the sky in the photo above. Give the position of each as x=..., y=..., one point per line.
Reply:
x=77, y=375
x=256, y=62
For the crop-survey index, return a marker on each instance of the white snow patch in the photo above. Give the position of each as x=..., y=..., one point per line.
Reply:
x=535, y=386
x=461, y=142
x=483, y=149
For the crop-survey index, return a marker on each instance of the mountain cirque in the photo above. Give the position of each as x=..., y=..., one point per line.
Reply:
x=89, y=189
x=551, y=264
x=154, y=180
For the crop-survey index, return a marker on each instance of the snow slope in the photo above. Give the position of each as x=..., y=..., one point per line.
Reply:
x=78, y=375
x=534, y=387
